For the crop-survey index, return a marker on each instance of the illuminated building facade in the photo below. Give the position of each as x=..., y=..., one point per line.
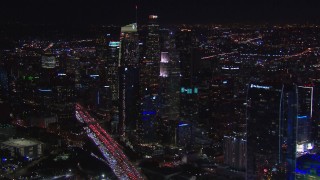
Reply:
x=169, y=87
x=112, y=69
x=149, y=82
x=150, y=64
x=305, y=111
x=23, y=147
x=128, y=78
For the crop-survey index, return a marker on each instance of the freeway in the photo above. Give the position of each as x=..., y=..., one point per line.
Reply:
x=111, y=150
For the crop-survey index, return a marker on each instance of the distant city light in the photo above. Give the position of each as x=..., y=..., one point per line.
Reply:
x=94, y=75
x=45, y=90
x=184, y=124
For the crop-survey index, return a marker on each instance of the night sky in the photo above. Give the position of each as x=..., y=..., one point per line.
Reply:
x=169, y=11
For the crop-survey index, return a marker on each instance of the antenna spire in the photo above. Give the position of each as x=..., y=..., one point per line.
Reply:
x=137, y=13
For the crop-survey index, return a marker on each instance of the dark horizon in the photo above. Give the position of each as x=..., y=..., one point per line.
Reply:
x=122, y=12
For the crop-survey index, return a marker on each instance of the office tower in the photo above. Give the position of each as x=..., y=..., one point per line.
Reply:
x=112, y=69
x=305, y=142
x=185, y=41
x=169, y=87
x=149, y=82
x=183, y=134
x=234, y=148
x=278, y=129
x=264, y=127
x=150, y=64
x=128, y=78
x=64, y=96
x=188, y=78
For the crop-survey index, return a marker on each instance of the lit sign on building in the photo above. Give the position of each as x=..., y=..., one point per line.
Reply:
x=114, y=44
x=302, y=117
x=260, y=87
x=94, y=75
x=183, y=124
x=230, y=68
x=189, y=90
x=153, y=16
x=45, y=90
x=196, y=90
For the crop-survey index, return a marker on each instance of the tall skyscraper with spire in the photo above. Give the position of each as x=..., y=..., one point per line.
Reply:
x=150, y=64
x=149, y=81
x=128, y=78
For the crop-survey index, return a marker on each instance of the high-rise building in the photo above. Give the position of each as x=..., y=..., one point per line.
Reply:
x=128, y=78
x=234, y=148
x=188, y=84
x=263, y=128
x=305, y=111
x=112, y=69
x=169, y=86
x=149, y=82
x=278, y=118
x=150, y=63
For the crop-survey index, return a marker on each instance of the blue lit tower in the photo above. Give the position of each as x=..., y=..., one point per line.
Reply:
x=128, y=78
x=305, y=112
x=278, y=129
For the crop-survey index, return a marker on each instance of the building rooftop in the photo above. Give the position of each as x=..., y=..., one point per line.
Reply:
x=18, y=143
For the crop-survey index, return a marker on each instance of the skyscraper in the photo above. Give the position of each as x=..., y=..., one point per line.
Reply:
x=277, y=129
x=150, y=64
x=188, y=85
x=234, y=148
x=128, y=78
x=149, y=82
x=305, y=111
x=112, y=70
x=169, y=86
x=263, y=122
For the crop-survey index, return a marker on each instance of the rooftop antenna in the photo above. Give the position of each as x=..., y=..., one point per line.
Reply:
x=137, y=13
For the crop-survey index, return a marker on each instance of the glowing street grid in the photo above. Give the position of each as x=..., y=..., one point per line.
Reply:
x=110, y=149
